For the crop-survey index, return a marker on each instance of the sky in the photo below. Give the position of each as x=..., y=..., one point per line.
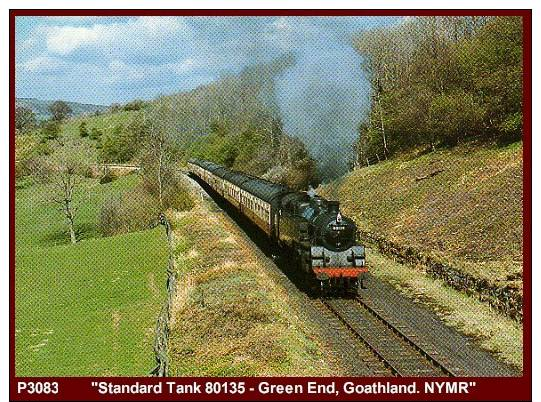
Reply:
x=102, y=60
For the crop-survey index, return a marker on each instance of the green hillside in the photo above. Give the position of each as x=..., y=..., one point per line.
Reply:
x=87, y=308
x=461, y=206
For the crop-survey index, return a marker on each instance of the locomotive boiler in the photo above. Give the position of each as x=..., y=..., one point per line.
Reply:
x=321, y=240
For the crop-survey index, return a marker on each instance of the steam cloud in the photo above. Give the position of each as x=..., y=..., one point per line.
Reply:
x=322, y=99
x=321, y=92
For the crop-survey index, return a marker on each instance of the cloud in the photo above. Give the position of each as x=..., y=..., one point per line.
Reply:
x=42, y=64
x=141, y=34
x=63, y=40
x=117, y=57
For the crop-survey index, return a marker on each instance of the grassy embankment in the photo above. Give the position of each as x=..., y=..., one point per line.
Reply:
x=469, y=216
x=231, y=317
x=88, y=308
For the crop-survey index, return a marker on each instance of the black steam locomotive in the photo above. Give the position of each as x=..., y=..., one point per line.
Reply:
x=322, y=241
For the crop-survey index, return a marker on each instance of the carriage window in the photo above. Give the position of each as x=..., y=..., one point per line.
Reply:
x=308, y=213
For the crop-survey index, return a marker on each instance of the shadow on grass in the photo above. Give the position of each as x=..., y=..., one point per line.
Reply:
x=83, y=231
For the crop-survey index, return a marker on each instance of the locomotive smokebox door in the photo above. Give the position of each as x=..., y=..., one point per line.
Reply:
x=334, y=207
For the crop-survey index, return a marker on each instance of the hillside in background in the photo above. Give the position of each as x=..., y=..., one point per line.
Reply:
x=440, y=81
x=235, y=122
x=41, y=107
x=461, y=206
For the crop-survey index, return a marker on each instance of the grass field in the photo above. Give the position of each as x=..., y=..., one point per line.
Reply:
x=461, y=206
x=104, y=122
x=40, y=224
x=88, y=308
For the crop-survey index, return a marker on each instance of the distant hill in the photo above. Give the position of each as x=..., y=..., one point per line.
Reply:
x=41, y=107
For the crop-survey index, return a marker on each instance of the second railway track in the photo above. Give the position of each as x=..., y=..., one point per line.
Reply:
x=395, y=350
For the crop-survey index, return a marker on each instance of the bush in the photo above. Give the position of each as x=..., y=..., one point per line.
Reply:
x=511, y=127
x=108, y=177
x=83, y=131
x=177, y=197
x=136, y=104
x=50, y=131
x=135, y=210
x=40, y=168
x=25, y=119
x=95, y=133
x=59, y=110
x=115, y=108
x=120, y=145
x=455, y=116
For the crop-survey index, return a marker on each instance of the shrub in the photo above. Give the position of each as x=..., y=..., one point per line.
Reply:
x=95, y=133
x=511, y=127
x=83, y=131
x=136, y=104
x=50, y=131
x=119, y=145
x=108, y=177
x=59, y=110
x=115, y=108
x=111, y=221
x=177, y=197
x=135, y=210
x=25, y=119
x=40, y=168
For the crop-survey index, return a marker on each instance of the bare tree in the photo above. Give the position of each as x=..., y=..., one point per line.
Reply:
x=159, y=154
x=64, y=170
x=65, y=187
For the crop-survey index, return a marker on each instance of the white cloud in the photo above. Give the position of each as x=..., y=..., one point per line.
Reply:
x=41, y=64
x=64, y=40
x=183, y=67
x=137, y=33
x=119, y=57
x=120, y=72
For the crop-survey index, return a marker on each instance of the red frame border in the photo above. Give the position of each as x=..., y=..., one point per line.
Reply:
x=78, y=388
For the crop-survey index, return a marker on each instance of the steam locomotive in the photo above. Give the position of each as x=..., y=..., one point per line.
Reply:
x=322, y=241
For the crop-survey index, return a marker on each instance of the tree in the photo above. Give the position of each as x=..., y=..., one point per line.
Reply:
x=59, y=110
x=159, y=153
x=123, y=142
x=115, y=107
x=440, y=81
x=64, y=169
x=83, y=131
x=50, y=131
x=25, y=119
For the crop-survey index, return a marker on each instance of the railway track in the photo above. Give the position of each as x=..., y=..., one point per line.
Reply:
x=396, y=351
